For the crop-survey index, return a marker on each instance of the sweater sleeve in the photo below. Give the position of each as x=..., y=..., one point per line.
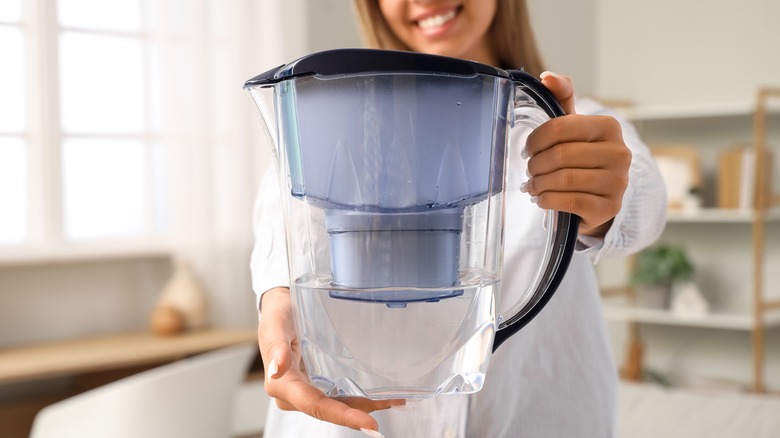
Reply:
x=268, y=262
x=642, y=216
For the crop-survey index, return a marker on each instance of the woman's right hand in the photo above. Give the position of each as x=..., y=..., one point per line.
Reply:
x=286, y=380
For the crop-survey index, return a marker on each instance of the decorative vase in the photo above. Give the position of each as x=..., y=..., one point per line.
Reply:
x=184, y=293
x=166, y=321
x=688, y=301
x=653, y=296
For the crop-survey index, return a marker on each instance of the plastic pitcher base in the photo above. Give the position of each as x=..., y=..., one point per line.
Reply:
x=459, y=384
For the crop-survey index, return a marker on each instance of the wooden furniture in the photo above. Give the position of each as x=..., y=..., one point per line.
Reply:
x=67, y=368
x=192, y=398
x=762, y=313
x=761, y=305
x=111, y=352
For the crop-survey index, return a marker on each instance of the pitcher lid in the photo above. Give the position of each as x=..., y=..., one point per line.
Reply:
x=357, y=61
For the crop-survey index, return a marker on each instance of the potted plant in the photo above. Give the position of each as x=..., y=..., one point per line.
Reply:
x=656, y=270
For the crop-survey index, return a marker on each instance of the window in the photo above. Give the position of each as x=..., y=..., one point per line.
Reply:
x=104, y=144
x=14, y=144
x=79, y=158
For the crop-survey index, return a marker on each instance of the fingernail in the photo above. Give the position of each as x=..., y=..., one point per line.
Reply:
x=549, y=73
x=273, y=368
x=403, y=408
x=524, y=153
x=524, y=186
x=535, y=199
x=371, y=433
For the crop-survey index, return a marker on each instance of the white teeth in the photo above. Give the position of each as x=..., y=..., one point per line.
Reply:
x=436, y=20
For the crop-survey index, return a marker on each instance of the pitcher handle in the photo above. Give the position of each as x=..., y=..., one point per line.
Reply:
x=565, y=239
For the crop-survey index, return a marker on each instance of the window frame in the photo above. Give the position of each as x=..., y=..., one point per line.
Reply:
x=44, y=138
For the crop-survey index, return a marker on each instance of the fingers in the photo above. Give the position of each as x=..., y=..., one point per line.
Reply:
x=287, y=382
x=562, y=88
x=594, y=209
x=348, y=412
x=294, y=393
x=580, y=155
x=569, y=201
x=598, y=182
x=368, y=406
x=573, y=128
x=579, y=164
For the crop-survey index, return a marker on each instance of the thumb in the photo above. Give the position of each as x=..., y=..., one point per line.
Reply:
x=278, y=358
x=276, y=332
x=562, y=88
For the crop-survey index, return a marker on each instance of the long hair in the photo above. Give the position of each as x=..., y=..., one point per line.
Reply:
x=510, y=34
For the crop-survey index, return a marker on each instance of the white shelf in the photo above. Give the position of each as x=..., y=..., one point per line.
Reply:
x=83, y=252
x=618, y=309
x=694, y=111
x=719, y=215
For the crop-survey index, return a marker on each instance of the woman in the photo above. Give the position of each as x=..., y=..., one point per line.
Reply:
x=555, y=377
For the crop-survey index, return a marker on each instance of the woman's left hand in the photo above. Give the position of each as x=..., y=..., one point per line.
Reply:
x=578, y=164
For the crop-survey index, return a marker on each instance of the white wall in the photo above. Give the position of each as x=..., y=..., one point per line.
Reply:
x=682, y=51
x=331, y=25
x=67, y=300
x=565, y=33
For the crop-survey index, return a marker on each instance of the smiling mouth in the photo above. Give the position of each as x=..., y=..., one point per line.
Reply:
x=438, y=20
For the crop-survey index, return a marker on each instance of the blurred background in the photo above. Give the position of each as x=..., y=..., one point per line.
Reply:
x=127, y=148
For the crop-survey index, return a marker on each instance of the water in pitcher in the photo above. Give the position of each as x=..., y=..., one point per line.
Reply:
x=416, y=350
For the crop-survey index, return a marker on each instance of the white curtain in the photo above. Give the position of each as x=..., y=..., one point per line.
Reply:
x=212, y=136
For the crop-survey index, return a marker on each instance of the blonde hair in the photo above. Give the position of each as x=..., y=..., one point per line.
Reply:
x=510, y=34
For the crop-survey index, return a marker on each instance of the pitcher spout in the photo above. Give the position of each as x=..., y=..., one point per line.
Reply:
x=263, y=98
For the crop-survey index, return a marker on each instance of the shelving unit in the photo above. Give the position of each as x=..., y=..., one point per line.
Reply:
x=622, y=309
x=761, y=305
x=720, y=216
x=764, y=312
x=724, y=109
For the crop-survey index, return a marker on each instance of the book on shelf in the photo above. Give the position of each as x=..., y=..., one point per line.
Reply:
x=737, y=169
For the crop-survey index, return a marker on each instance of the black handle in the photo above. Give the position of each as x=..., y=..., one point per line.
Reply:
x=565, y=238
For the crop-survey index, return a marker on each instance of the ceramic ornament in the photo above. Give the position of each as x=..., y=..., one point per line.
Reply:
x=185, y=294
x=166, y=321
x=689, y=301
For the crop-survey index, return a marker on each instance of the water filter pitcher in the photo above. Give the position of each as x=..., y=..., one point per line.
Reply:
x=395, y=170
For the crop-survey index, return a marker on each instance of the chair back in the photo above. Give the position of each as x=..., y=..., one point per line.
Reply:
x=190, y=398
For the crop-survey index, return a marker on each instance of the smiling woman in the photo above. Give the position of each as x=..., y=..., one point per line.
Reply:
x=426, y=25
x=457, y=29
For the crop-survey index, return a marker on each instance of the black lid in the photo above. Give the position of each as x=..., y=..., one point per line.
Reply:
x=354, y=61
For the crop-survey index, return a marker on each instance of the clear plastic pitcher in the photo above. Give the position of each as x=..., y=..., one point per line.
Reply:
x=393, y=169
